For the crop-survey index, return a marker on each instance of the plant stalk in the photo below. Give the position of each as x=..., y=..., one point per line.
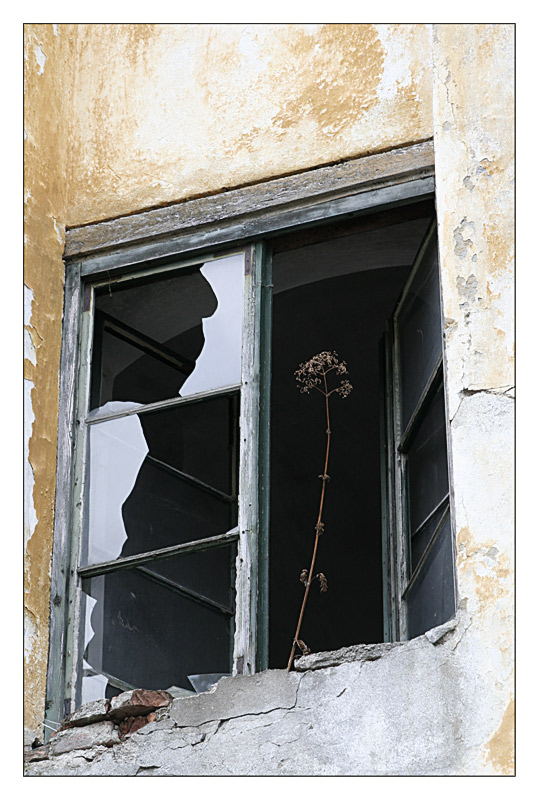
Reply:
x=317, y=529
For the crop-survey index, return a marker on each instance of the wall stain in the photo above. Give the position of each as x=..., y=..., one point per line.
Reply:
x=334, y=76
x=501, y=746
x=45, y=180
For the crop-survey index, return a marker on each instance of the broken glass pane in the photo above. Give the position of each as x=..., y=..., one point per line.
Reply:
x=179, y=333
x=146, y=629
x=161, y=478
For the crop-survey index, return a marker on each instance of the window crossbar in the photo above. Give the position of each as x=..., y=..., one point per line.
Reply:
x=430, y=515
x=427, y=552
x=128, y=562
x=146, y=344
x=191, y=479
x=185, y=592
x=419, y=411
x=160, y=405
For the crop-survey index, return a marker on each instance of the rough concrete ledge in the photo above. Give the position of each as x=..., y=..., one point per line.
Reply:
x=321, y=719
x=369, y=652
x=237, y=696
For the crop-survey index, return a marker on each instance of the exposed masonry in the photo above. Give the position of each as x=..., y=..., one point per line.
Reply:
x=335, y=715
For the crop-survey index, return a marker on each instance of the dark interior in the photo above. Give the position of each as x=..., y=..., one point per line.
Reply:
x=336, y=295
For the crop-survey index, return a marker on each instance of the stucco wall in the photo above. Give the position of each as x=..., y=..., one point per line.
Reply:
x=474, y=150
x=119, y=118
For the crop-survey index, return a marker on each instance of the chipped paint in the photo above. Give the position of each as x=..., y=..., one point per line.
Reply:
x=30, y=518
x=45, y=169
x=223, y=106
x=40, y=58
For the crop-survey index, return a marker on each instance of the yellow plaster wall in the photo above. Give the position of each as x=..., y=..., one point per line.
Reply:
x=46, y=106
x=165, y=112
x=120, y=118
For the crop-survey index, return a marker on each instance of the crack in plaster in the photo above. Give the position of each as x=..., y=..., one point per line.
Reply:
x=448, y=125
x=240, y=715
x=499, y=391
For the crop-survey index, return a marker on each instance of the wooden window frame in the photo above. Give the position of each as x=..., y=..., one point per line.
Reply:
x=398, y=576
x=190, y=233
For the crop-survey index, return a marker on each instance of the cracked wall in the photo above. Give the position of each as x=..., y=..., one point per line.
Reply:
x=339, y=714
x=474, y=151
x=127, y=117
x=119, y=118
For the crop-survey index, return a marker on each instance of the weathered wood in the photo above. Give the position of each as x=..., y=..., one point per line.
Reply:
x=162, y=405
x=129, y=562
x=245, y=634
x=79, y=507
x=62, y=515
x=349, y=177
x=266, y=303
x=261, y=224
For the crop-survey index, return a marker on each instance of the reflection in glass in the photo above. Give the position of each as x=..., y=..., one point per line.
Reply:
x=421, y=539
x=219, y=363
x=117, y=450
x=161, y=478
x=427, y=463
x=420, y=333
x=431, y=599
x=179, y=333
x=146, y=631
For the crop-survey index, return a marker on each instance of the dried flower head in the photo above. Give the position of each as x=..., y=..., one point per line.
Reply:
x=303, y=576
x=303, y=647
x=310, y=373
x=319, y=528
x=323, y=582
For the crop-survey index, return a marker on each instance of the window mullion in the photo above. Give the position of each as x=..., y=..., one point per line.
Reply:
x=73, y=675
x=245, y=637
x=60, y=583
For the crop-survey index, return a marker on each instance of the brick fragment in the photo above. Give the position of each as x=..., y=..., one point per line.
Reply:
x=138, y=702
x=131, y=724
x=37, y=754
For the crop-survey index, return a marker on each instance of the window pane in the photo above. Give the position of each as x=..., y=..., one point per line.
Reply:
x=178, y=334
x=148, y=635
x=421, y=539
x=431, y=600
x=427, y=463
x=209, y=574
x=419, y=332
x=143, y=490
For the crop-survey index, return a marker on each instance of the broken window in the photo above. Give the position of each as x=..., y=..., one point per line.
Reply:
x=197, y=458
x=157, y=557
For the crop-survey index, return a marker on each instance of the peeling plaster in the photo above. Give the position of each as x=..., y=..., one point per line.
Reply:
x=40, y=58
x=30, y=517
x=189, y=110
x=30, y=634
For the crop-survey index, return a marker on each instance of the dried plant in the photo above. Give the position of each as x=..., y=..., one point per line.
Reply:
x=313, y=374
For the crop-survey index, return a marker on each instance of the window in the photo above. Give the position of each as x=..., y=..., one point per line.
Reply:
x=189, y=485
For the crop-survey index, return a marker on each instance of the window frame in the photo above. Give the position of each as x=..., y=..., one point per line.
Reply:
x=398, y=572
x=246, y=219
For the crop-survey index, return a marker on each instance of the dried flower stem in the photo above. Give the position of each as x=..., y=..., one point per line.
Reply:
x=309, y=375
